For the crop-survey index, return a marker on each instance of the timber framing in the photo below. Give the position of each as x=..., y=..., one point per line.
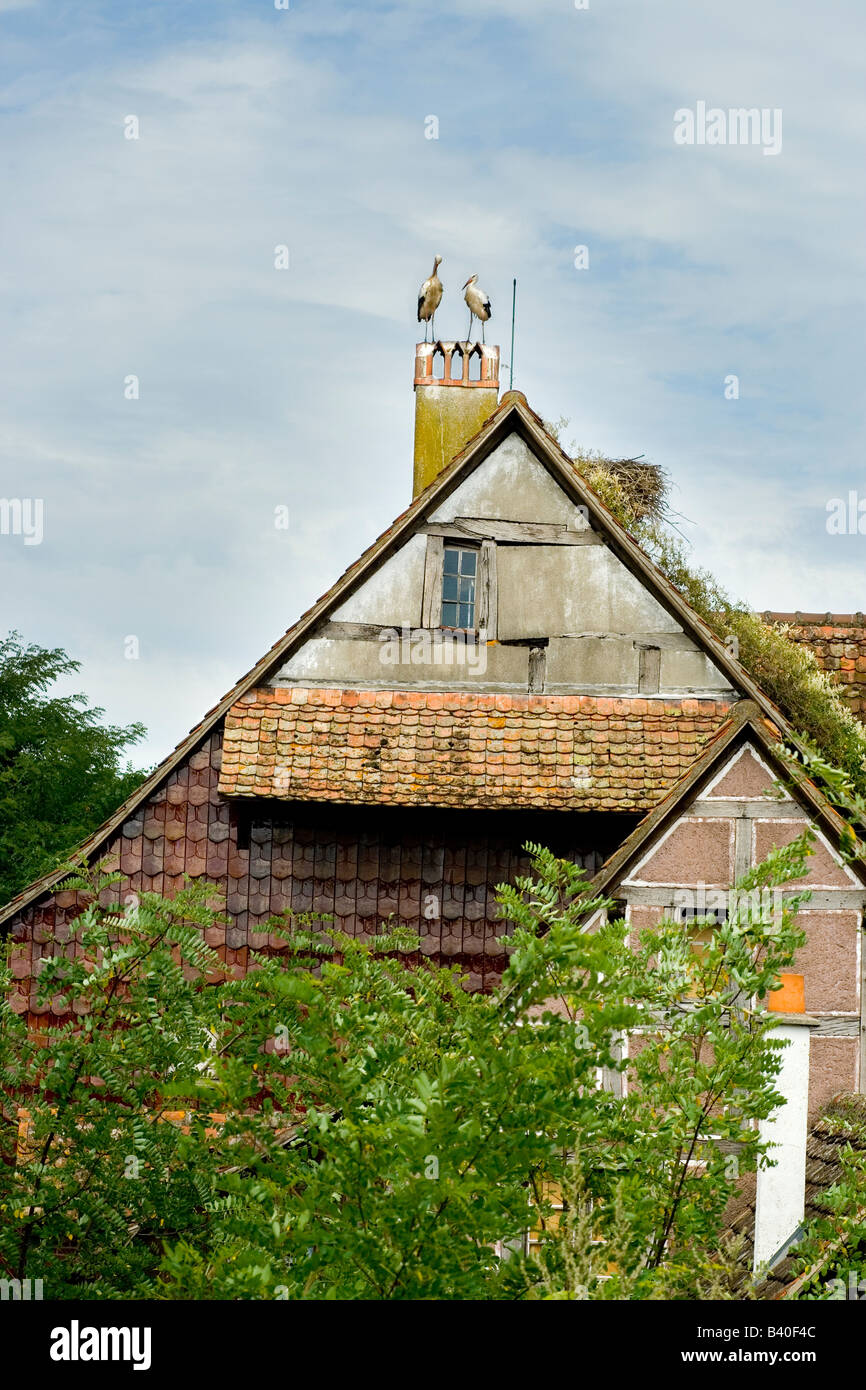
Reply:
x=746, y=725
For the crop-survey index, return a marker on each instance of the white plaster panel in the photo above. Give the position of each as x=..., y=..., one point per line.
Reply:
x=549, y=590
x=511, y=485
x=393, y=593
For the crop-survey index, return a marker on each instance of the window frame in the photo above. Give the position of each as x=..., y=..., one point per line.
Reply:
x=461, y=548
x=485, y=581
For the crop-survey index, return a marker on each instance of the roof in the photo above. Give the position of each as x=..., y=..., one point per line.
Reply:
x=746, y=723
x=840, y=1125
x=414, y=748
x=838, y=641
x=512, y=415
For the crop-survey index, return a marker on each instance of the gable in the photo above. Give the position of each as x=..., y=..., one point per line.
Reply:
x=745, y=775
x=684, y=857
x=727, y=793
x=511, y=484
x=557, y=610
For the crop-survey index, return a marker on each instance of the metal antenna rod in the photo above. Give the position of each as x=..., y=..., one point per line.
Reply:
x=513, y=315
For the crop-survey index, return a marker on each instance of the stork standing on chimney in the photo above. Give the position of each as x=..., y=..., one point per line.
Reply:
x=429, y=298
x=479, y=305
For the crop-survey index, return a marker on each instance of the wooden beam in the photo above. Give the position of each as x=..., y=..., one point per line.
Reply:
x=649, y=670
x=511, y=532
x=431, y=610
x=487, y=611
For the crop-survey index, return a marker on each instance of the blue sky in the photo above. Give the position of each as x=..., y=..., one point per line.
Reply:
x=261, y=388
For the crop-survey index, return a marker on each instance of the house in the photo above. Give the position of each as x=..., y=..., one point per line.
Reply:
x=503, y=664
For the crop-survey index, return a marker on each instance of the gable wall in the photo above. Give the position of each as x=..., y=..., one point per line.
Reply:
x=729, y=828
x=558, y=588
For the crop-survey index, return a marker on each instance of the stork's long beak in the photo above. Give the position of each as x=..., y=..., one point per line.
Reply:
x=469, y=281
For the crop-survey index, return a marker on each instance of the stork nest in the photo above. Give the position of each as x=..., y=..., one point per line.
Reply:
x=633, y=489
x=644, y=485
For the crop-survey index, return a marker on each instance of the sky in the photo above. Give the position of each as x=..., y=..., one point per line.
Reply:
x=165, y=387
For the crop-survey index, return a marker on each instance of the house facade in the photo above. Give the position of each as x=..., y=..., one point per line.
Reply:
x=503, y=664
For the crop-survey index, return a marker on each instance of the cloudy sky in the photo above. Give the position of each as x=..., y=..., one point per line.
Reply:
x=259, y=388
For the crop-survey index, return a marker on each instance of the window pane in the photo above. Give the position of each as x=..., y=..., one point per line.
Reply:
x=450, y=586
x=459, y=577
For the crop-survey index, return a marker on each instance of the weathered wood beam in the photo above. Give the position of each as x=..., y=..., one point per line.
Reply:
x=512, y=532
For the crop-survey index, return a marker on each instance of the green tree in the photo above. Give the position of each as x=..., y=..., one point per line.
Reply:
x=60, y=772
x=353, y=1123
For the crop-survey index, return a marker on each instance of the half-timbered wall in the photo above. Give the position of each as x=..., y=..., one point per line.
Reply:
x=731, y=826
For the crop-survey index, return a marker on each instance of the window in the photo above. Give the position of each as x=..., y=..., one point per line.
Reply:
x=704, y=915
x=459, y=584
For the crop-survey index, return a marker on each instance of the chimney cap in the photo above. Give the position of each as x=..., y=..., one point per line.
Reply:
x=464, y=352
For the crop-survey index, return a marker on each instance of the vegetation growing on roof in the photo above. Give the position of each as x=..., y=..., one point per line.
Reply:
x=785, y=670
x=638, y=494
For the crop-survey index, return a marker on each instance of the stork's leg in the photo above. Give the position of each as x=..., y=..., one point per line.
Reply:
x=469, y=334
x=483, y=339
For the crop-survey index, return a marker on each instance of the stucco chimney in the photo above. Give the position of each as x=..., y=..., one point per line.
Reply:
x=456, y=390
x=781, y=1190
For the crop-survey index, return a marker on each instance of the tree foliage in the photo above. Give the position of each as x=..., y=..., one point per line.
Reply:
x=347, y=1121
x=60, y=772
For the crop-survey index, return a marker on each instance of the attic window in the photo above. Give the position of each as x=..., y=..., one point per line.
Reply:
x=459, y=585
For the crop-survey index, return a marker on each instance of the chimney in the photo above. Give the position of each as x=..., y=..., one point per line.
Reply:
x=456, y=390
x=781, y=1191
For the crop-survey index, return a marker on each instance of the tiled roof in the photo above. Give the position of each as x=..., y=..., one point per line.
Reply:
x=414, y=748
x=839, y=643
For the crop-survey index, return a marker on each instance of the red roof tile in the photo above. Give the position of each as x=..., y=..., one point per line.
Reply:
x=838, y=641
x=402, y=748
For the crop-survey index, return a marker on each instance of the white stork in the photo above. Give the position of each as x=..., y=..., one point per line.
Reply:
x=429, y=297
x=479, y=305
